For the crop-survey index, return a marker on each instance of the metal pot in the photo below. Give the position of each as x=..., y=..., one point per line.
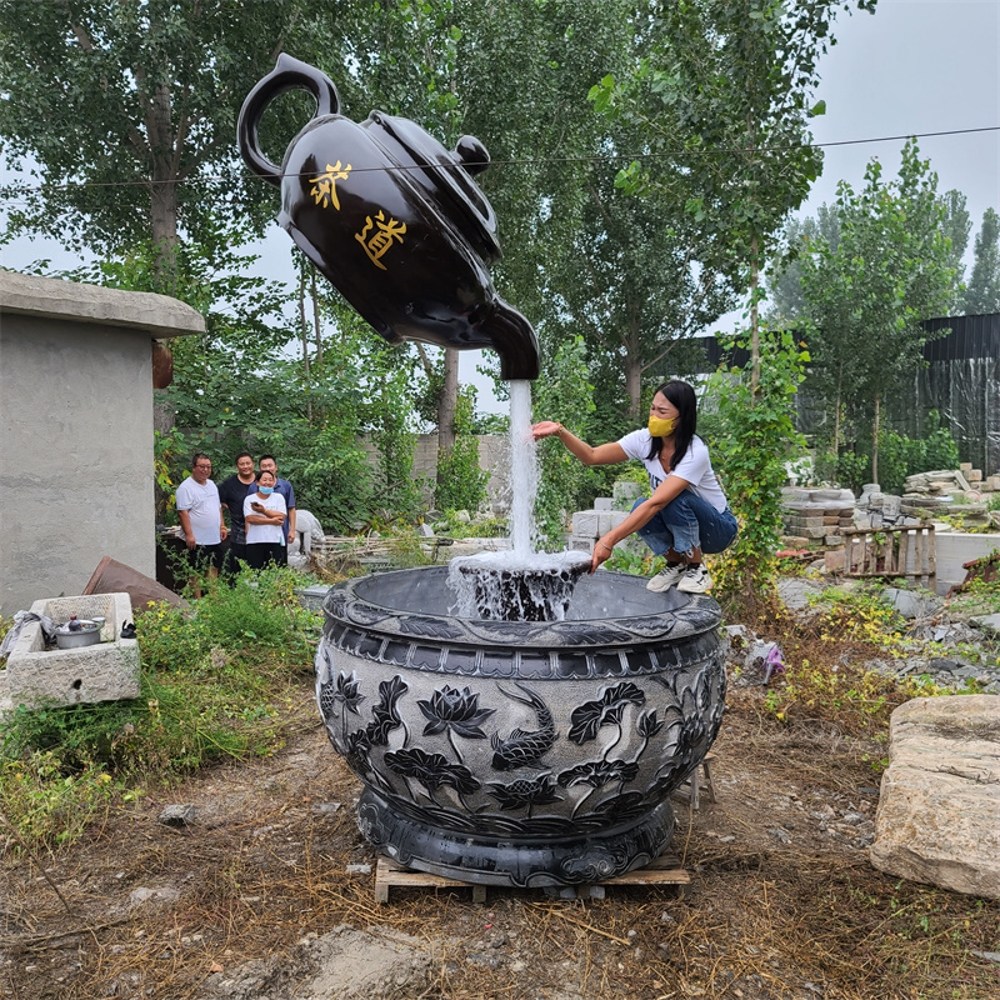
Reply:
x=89, y=634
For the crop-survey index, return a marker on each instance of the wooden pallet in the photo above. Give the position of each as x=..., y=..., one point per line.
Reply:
x=885, y=553
x=662, y=871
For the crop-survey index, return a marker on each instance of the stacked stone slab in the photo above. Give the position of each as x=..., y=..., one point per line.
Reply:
x=955, y=491
x=812, y=518
x=607, y=513
x=878, y=510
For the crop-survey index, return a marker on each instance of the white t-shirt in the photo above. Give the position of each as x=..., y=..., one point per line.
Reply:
x=203, y=507
x=694, y=468
x=264, y=533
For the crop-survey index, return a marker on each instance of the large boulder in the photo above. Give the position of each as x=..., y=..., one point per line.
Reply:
x=938, y=817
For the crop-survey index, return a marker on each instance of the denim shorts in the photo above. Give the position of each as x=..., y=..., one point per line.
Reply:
x=688, y=523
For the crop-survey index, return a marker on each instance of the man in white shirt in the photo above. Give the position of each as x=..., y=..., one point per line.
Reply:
x=200, y=513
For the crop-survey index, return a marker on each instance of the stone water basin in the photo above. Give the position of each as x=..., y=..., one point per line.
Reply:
x=107, y=671
x=519, y=753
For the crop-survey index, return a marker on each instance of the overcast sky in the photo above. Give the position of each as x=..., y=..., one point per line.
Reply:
x=914, y=67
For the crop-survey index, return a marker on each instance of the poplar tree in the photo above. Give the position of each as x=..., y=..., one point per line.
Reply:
x=983, y=293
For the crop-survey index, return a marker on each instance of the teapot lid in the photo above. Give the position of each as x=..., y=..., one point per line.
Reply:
x=452, y=174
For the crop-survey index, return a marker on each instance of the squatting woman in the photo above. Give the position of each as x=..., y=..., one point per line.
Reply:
x=687, y=513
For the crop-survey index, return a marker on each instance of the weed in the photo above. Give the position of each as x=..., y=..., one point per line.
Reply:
x=863, y=615
x=212, y=684
x=44, y=805
x=626, y=560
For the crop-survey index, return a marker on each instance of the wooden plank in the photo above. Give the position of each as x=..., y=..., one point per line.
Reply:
x=904, y=553
x=664, y=870
x=389, y=874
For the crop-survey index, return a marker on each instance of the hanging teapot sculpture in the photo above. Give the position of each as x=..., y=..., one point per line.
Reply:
x=393, y=219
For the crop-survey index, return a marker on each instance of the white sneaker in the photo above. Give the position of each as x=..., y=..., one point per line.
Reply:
x=667, y=577
x=696, y=580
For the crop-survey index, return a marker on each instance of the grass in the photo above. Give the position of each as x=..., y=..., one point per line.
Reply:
x=228, y=680
x=216, y=682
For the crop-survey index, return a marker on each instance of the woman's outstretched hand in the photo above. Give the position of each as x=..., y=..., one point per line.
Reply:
x=545, y=428
x=602, y=553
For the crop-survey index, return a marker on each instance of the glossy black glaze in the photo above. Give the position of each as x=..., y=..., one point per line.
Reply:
x=393, y=219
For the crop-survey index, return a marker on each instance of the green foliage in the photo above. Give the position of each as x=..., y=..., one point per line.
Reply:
x=757, y=434
x=862, y=614
x=631, y=560
x=213, y=679
x=900, y=456
x=44, y=805
x=564, y=394
x=133, y=131
x=390, y=417
x=461, y=483
x=256, y=611
x=983, y=294
x=724, y=100
x=891, y=268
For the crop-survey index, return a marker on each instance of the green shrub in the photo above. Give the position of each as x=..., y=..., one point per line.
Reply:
x=214, y=679
x=461, y=483
x=42, y=805
x=900, y=456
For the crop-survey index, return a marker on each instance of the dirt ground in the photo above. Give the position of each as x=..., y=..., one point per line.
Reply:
x=254, y=899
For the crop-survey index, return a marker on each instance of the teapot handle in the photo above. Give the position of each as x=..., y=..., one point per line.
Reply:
x=288, y=73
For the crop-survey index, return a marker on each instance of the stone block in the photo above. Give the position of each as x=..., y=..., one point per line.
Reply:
x=974, y=475
x=913, y=604
x=812, y=533
x=106, y=671
x=835, y=560
x=833, y=541
x=585, y=522
x=604, y=504
x=580, y=543
x=940, y=797
x=313, y=597
x=794, y=542
x=626, y=493
x=804, y=522
x=606, y=520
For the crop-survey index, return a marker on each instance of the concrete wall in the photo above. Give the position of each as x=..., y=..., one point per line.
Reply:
x=952, y=549
x=494, y=458
x=76, y=431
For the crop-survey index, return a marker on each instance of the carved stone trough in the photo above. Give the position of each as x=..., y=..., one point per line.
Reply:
x=38, y=676
x=519, y=753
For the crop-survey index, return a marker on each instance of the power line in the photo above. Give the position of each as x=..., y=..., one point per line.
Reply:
x=22, y=188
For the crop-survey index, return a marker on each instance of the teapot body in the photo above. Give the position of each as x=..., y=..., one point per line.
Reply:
x=394, y=221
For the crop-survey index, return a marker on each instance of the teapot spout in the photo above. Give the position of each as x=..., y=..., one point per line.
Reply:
x=513, y=338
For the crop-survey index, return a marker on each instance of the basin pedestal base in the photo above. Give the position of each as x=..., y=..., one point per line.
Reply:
x=513, y=862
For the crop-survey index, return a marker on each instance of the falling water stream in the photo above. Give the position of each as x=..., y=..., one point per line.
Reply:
x=520, y=584
x=523, y=470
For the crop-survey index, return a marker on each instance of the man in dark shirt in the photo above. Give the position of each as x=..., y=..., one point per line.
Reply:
x=266, y=463
x=232, y=492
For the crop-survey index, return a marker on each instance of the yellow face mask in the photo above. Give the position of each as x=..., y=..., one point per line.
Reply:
x=661, y=427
